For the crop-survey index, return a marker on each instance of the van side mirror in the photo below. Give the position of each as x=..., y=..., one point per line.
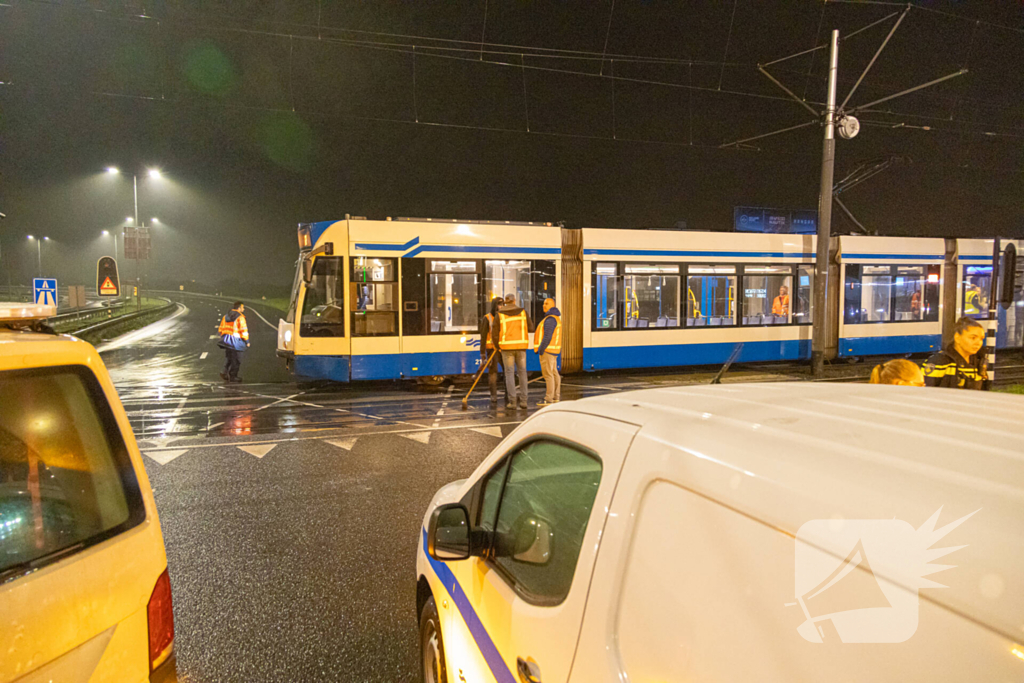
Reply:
x=1007, y=275
x=534, y=539
x=448, y=533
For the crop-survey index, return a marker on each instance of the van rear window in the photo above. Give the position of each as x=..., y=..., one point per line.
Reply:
x=66, y=481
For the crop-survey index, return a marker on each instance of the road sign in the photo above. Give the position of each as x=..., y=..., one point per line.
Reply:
x=107, y=283
x=136, y=243
x=44, y=291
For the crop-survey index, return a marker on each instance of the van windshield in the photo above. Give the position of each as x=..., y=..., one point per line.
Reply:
x=66, y=481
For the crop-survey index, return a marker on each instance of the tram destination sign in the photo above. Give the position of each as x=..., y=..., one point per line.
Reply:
x=780, y=221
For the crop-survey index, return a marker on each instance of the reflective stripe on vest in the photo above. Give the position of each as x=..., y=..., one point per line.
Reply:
x=555, y=345
x=514, y=335
x=489, y=342
x=233, y=328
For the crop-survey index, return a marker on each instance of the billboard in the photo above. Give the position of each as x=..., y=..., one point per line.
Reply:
x=783, y=221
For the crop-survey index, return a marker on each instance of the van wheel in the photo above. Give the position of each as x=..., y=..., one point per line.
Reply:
x=431, y=645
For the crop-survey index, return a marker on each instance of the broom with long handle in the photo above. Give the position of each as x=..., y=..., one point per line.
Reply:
x=479, y=374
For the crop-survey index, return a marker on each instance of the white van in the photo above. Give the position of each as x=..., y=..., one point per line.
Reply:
x=84, y=589
x=756, y=532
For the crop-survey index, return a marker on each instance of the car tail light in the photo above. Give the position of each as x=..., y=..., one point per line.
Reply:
x=161, y=622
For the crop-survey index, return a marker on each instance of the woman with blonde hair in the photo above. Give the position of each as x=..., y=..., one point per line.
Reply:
x=898, y=371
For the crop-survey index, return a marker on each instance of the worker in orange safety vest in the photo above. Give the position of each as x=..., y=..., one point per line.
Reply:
x=234, y=339
x=512, y=340
x=547, y=342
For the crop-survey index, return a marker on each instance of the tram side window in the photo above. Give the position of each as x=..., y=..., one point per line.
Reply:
x=767, y=298
x=803, y=302
x=976, y=286
x=374, y=297
x=651, y=295
x=454, y=296
x=909, y=295
x=710, y=296
x=868, y=294
x=605, y=292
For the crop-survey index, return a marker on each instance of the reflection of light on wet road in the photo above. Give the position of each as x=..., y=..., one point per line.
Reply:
x=145, y=333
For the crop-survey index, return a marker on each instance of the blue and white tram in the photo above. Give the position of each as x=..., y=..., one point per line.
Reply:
x=663, y=298
x=403, y=298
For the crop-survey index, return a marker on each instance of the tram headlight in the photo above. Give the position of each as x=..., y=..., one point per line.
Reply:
x=287, y=336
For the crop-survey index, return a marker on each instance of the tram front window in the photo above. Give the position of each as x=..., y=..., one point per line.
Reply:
x=323, y=312
x=454, y=296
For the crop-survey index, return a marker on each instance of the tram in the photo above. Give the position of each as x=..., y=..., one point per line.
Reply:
x=403, y=298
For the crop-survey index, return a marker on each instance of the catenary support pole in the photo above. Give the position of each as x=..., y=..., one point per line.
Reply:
x=828, y=157
x=993, y=315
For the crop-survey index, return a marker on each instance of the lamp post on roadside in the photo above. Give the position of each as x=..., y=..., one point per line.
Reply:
x=133, y=221
x=114, y=235
x=39, y=250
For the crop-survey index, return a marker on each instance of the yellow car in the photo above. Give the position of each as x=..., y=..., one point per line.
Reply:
x=84, y=590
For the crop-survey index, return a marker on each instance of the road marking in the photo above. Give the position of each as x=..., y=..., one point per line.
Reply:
x=322, y=407
x=444, y=405
x=214, y=426
x=214, y=336
x=419, y=428
x=422, y=437
x=204, y=355
x=273, y=327
x=489, y=431
x=260, y=450
x=347, y=444
x=164, y=456
x=280, y=400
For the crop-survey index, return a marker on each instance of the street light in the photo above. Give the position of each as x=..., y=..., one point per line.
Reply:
x=39, y=250
x=154, y=173
x=114, y=235
x=112, y=170
x=155, y=220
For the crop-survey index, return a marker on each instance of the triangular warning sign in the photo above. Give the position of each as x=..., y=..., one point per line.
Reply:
x=108, y=287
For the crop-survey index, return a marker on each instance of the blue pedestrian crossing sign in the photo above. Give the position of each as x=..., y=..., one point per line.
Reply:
x=44, y=291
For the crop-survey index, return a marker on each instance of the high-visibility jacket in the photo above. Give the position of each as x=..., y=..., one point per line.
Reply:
x=949, y=369
x=781, y=305
x=489, y=342
x=233, y=331
x=555, y=345
x=513, y=332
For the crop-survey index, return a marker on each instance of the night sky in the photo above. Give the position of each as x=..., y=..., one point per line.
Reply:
x=264, y=114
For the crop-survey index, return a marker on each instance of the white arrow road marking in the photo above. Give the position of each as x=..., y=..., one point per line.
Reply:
x=422, y=437
x=164, y=457
x=258, y=451
x=347, y=444
x=489, y=431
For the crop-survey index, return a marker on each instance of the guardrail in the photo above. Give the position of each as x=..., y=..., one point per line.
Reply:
x=127, y=318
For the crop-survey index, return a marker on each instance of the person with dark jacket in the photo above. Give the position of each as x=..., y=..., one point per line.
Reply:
x=489, y=326
x=512, y=340
x=547, y=342
x=234, y=339
x=961, y=365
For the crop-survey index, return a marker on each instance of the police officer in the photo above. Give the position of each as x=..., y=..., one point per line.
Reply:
x=961, y=365
x=234, y=339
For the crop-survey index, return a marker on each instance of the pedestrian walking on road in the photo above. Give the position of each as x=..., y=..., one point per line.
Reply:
x=961, y=365
x=488, y=332
x=234, y=339
x=512, y=340
x=547, y=342
x=898, y=371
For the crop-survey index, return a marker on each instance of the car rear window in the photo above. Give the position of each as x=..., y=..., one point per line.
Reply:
x=66, y=481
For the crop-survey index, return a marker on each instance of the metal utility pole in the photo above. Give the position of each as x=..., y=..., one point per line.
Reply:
x=828, y=159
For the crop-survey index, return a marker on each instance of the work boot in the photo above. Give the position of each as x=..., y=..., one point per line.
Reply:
x=523, y=405
x=224, y=376
x=236, y=380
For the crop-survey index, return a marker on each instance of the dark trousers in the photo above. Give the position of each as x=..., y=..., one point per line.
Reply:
x=492, y=374
x=233, y=361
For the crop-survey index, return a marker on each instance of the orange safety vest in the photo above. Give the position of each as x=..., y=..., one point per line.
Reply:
x=489, y=342
x=514, y=335
x=781, y=305
x=237, y=328
x=555, y=345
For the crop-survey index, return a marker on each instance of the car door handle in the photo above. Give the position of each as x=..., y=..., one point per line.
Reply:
x=529, y=672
